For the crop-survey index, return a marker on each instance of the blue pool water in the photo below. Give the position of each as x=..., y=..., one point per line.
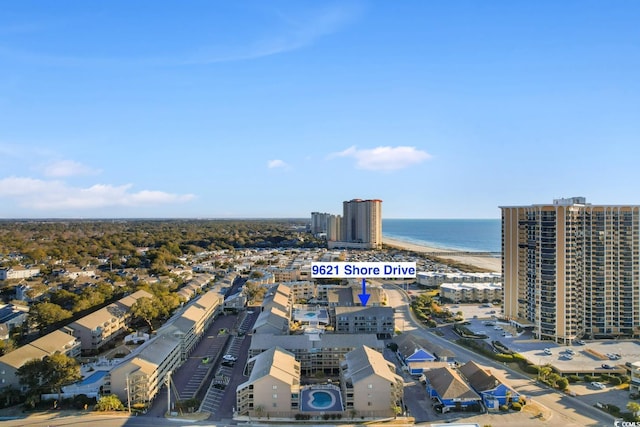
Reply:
x=321, y=399
x=310, y=315
x=96, y=376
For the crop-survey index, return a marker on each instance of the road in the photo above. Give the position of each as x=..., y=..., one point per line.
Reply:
x=567, y=411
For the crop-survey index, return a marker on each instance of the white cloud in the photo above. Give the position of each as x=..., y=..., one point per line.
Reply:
x=276, y=163
x=64, y=168
x=384, y=158
x=57, y=195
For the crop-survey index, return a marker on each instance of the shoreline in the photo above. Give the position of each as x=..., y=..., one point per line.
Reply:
x=463, y=257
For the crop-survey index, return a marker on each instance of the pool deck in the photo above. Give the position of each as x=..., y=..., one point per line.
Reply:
x=306, y=315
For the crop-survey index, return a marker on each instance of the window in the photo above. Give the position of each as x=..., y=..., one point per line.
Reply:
x=369, y=385
x=275, y=395
x=275, y=387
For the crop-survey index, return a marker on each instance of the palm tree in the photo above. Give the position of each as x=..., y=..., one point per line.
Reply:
x=634, y=407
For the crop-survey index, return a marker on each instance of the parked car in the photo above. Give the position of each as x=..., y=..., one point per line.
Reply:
x=580, y=342
x=229, y=357
x=547, y=351
x=605, y=366
x=597, y=384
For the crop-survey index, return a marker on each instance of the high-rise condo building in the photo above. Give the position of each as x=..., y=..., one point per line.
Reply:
x=359, y=227
x=570, y=269
x=362, y=222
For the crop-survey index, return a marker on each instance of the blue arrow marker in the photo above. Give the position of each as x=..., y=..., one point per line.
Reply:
x=364, y=296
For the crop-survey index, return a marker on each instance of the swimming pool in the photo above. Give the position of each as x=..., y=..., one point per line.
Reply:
x=93, y=378
x=320, y=399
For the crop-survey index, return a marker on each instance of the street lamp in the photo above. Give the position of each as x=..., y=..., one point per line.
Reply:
x=169, y=392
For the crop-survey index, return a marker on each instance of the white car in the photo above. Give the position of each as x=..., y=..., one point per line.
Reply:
x=547, y=351
x=229, y=357
x=597, y=384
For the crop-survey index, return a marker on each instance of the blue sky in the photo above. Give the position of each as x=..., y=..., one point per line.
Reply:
x=235, y=109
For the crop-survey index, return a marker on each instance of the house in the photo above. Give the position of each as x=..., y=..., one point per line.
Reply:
x=12, y=315
x=493, y=392
x=413, y=354
x=447, y=387
x=370, y=385
x=74, y=272
x=413, y=345
x=18, y=273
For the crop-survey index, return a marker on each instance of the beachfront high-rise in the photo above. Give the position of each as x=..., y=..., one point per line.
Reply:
x=570, y=269
x=362, y=222
x=359, y=227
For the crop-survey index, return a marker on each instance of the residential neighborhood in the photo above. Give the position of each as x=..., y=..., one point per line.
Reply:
x=216, y=326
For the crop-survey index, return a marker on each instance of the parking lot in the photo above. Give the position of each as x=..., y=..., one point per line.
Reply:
x=475, y=311
x=604, y=356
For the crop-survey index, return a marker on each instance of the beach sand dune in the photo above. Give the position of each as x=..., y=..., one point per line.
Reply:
x=488, y=263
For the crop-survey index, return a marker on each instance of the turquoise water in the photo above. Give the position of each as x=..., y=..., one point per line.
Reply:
x=321, y=399
x=478, y=235
x=96, y=376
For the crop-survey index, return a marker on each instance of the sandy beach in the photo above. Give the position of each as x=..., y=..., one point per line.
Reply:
x=485, y=262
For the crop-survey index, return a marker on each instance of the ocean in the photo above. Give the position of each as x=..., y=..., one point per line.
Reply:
x=476, y=235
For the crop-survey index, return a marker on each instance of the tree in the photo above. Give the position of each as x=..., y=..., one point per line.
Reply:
x=47, y=313
x=61, y=370
x=146, y=309
x=562, y=383
x=634, y=407
x=544, y=372
x=30, y=374
x=109, y=403
x=51, y=373
x=6, y=346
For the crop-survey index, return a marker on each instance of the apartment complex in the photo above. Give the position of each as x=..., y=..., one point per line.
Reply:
x=142, y=374
x=471, y=292
x=100, y=327
x=60, y=341
x=140, y=378
x=317, y=353
x=364, y=320
x=273, y=386
x=570, y=269
x=370, y=385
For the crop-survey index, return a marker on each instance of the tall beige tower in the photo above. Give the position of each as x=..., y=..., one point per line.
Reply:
x=570, y=269
x=362, y=222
